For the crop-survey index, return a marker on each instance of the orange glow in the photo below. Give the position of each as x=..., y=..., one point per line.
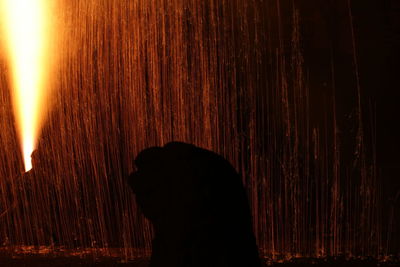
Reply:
x=26, y=30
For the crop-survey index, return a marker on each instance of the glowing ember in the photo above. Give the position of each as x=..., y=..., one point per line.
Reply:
x=25, y=24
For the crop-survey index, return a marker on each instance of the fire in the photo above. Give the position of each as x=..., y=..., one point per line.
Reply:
x=26, y=28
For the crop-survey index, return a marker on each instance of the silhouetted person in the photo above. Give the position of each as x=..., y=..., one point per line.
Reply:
x=198, y=206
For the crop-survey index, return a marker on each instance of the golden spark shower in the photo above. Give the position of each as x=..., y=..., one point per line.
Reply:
x=26, y=30
x=298, y=96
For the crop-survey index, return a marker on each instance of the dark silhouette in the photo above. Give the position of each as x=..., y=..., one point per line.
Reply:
x=198, y=206
x=32, y=205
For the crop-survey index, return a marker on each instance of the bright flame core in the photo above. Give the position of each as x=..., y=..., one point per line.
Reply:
x=26, y=27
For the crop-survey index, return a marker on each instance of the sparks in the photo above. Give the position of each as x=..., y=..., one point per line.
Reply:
x=26, y=30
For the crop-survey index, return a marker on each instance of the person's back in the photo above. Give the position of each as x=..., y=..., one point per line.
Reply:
x=198, y=206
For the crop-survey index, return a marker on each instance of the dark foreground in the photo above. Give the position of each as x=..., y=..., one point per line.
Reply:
x=57, y=257
x=56, y=261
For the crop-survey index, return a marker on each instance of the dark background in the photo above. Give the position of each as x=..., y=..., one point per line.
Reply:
x=300, y=96
x=377, y=41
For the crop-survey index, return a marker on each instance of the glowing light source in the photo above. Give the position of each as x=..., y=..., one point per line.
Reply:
x=26, y=35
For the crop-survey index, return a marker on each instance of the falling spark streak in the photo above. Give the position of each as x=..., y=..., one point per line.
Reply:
x=25, y=24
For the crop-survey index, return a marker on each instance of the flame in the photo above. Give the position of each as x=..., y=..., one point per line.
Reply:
x=27, y=30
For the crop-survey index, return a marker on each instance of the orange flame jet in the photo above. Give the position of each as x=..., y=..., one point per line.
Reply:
x=26, y=28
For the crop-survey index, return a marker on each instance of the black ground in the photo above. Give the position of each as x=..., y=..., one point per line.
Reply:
x=47, y=261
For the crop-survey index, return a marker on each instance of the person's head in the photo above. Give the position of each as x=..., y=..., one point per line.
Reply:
x=181, y=178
